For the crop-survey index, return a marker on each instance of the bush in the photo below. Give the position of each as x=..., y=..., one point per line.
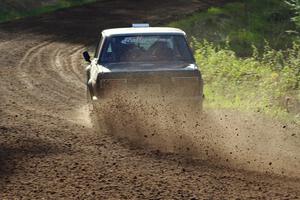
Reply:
x=259, y=83
x=244, y=24
x=295, y=6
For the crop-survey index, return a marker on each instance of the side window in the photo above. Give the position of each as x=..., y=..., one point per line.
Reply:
x=109, y=49
x=183, y=51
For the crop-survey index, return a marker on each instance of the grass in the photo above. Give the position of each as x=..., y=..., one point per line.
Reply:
x=243, y=24
x=264, y=84
x=8, y=14
x=248, y=60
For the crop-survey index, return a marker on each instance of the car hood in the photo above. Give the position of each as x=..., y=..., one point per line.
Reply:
x=119, y=67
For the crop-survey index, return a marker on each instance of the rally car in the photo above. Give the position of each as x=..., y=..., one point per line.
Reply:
x=150, y=62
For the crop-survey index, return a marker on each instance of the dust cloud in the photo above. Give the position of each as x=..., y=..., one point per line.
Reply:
x=221, y=137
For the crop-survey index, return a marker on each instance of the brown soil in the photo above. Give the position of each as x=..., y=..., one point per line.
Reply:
x=49, y=149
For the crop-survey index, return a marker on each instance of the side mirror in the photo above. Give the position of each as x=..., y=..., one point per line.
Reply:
x=87, y=56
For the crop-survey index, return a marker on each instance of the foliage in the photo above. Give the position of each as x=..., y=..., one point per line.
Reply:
x=243, y=24
x=295, y=6
x=259, y=83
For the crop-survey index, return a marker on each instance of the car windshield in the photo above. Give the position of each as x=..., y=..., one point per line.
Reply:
x=146, y=49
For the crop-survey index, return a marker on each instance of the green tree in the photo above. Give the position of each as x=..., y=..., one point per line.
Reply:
x=295, y=6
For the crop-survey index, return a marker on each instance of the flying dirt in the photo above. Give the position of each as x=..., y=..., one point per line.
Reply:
x=50, y=148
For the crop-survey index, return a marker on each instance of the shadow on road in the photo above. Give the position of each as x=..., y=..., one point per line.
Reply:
x=84, y=24
x=17, y=149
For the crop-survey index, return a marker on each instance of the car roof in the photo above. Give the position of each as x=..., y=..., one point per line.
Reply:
x=141, y=31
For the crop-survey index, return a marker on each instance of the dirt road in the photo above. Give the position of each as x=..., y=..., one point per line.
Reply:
x=48, y=148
